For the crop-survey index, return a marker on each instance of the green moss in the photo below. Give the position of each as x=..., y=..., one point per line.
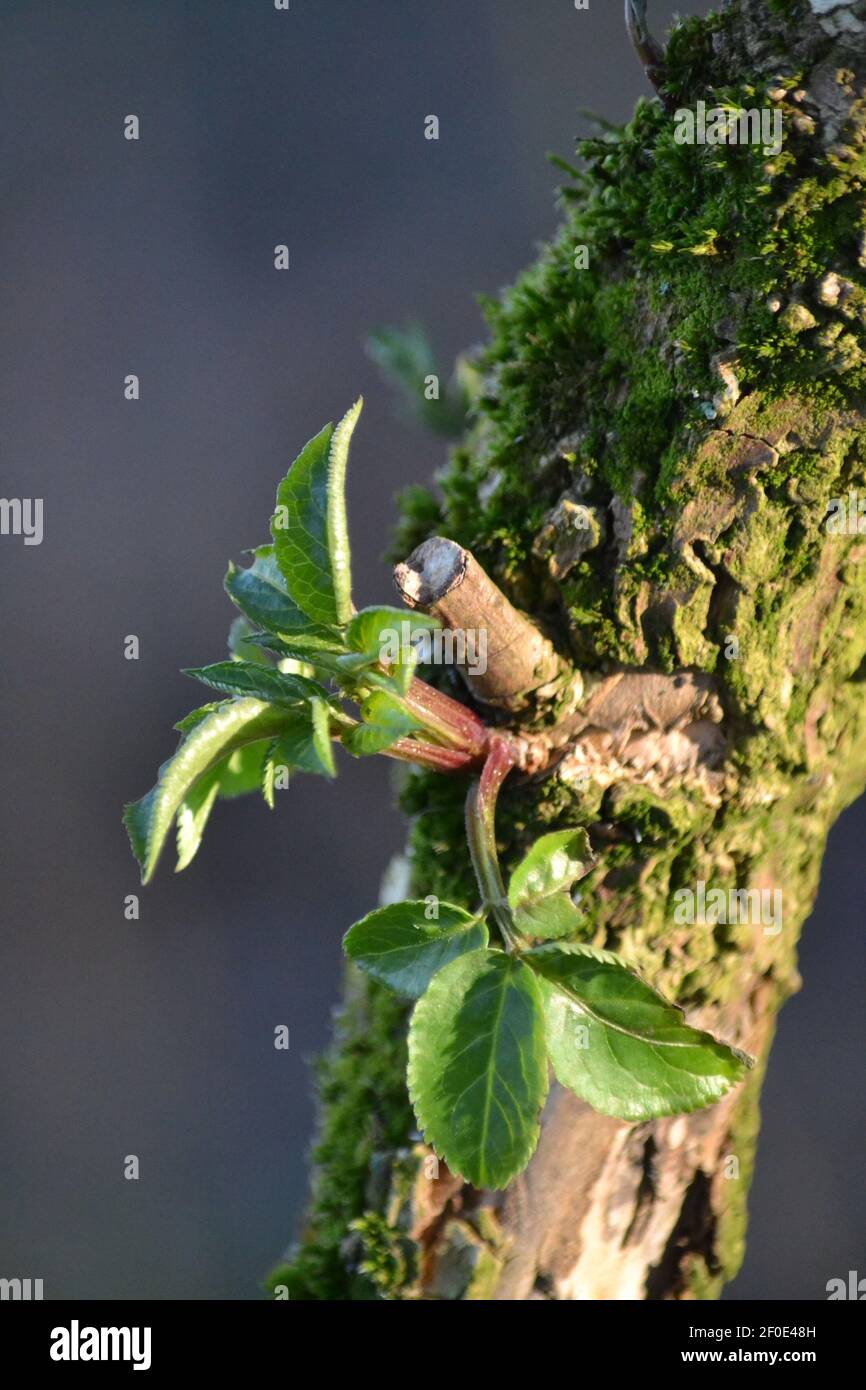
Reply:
x=420, y=517
x=788, y=9
x=742, y=1145
x=387, y=1258
x=606, y=380
x=576, y=388
x=469, y=1267
x=364, y=1110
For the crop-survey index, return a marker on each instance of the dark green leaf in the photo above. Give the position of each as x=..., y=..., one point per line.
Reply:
x=477, y=1066
x=262, y=682
x=309, y=526
x=620, y=1045
x=260, y=593
x=403, y=948
x=539, y=890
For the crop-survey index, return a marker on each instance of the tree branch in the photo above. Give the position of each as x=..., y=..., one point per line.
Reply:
x=720, y=567
x=514, y=660
x=648, y=49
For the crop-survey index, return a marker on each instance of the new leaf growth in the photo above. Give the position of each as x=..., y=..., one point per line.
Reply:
x=502, y=993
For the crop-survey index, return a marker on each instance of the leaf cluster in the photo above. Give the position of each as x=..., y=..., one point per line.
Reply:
x=488, y=1021
x=298, y=652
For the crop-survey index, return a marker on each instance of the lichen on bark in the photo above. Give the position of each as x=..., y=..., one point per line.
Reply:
x=698, y=391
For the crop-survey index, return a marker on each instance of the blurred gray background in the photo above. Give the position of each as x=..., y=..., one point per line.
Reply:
x=155, y=1037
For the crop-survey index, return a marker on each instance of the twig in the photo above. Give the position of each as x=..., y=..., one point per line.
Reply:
x=648, y=49
x=441, y=577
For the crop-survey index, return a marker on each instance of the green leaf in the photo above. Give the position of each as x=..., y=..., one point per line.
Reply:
x=189, y=721
x=350, y=665
x=269, y=770
x=384, y=721
x=407, y=360
x=261, y=595
x=395, y=681
x=236, y=775
x=262, y=682
x=551, y=919
x=309, y=526
x=241, y=772
x=400, y=946
x=192, y=818
x=539, y=890
x=241, y=648
x=399, y=676
x=213, y=738
x=385, y=635
x=321, y=737
x=325, y=660
x=301, y=744
x=375, y=628
x=620, y=1045
x=477, y=1066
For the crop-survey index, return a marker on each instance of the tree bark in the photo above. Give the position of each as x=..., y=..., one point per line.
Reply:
x=722, y=628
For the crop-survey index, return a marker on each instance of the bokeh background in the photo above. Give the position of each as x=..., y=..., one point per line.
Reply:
x=155, y=1037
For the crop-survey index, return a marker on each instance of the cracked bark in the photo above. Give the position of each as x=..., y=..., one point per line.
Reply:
x=749, y=768
x=605, y=1211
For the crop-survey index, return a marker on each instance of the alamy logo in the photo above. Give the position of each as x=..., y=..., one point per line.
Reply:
x=77, y=1343
x=720, y=906
x=723, y=125
x=846, y=516
x=465, y=647
x=22, y=516
x=20, y=1290
x=854, y=1289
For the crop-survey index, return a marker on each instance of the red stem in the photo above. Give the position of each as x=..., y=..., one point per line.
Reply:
x=481, y=834
x=430, y=755
x=448, y=717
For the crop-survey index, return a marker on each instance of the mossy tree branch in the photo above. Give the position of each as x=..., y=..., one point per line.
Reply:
x=697, y=397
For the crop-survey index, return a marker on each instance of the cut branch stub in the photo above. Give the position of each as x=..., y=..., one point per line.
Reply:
x=501, y=655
